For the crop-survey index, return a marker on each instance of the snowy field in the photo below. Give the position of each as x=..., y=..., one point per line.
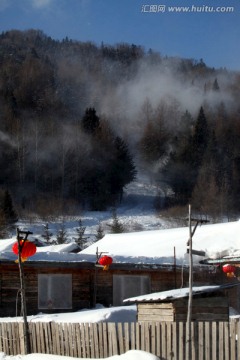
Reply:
x=130, y=355
x=136, y=213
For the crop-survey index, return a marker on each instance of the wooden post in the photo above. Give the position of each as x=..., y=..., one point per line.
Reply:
x=22, y=289
x=189, y=313
x=191, y=251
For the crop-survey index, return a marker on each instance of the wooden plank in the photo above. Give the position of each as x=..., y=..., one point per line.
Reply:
x=164, y=340
x=1, y=338
x=214, y=340
x=152, y=329
x=142, y=337
x=57, y=332
x=201, y=341
x=158, y=340
x=168, y=326
x=138, y=337
x=149, y=318
x=31, y=326
x=62, y=339
x=83, y=340
x=174, y=341
x=10, y=338
x=126, y=336
x=78, y=340
x=221, y=342
x=4, y=340
x=238, y=339
x=153, y=306
x=42, y=339
x=53, y=337
x=16, y=338
x=194, y=340
x=120, y=338
x=70, y=339
x=147, y=337
x=132, y=336
x=114, y=339
x=21, y=338
x=226, y=341
x=158, y=312
x=91, y=340
x=207, y=341
x=105, y=340
x=232, y=339
x=86, y=331
x=96, y=340
x=100, y=338
x=181, y=340
x=47, y=338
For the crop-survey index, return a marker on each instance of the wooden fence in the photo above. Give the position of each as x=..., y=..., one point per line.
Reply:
x=210, y=340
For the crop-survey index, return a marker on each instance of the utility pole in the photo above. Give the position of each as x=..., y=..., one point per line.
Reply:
x=21, y=240
x=191, y=253
x=189, y=313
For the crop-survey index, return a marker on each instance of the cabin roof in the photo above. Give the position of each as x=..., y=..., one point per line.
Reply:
x=175, y=294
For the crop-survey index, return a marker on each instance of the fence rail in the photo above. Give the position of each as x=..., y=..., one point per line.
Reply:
x=209, y=341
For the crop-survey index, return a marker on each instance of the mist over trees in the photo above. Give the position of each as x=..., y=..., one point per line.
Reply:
x=79, y=122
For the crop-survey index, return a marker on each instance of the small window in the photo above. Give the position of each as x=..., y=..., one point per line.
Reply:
x=126, y=286
x=55, y=291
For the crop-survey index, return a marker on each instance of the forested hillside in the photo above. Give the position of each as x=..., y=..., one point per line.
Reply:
x=79, y=122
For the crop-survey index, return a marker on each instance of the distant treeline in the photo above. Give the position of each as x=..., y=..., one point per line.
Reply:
x=79, y=122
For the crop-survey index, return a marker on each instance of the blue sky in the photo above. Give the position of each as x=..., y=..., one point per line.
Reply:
x=210, y=30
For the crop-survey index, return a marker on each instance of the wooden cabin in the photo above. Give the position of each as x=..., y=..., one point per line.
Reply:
x=62, y=281
x=209, y=303
x=73, y=283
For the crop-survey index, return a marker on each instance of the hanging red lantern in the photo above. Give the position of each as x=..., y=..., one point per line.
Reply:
x=105, y=261
x=229, y=270
x=28, y=249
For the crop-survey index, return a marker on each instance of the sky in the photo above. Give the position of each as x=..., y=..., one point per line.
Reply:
x=207, y=29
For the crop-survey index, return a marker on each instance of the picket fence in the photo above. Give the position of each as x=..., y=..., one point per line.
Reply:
x=210, y=340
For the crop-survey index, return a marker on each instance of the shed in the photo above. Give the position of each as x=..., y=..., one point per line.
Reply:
x=209, y=303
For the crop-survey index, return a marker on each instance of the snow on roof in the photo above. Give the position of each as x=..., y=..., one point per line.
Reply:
x=145, y=247
x=177, y=293
x=157, y=246
x=69, y=247
x=55, y=253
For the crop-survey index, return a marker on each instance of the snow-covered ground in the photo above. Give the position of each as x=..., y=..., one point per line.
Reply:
x=136, y=213
x=129, y=355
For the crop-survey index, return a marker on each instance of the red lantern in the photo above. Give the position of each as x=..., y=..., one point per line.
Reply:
x=229, y=270
x=28, y=249
x=105, y=261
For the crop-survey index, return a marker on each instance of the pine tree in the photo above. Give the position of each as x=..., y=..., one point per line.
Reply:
x=116, y=226
x=47, y=234
x=3, y=225
x=215, y=86
x=8, y=209
x=62, y=234
x=200, y=139
x=122, y=170
x=81, y=240
x=90, y=121
x=100, y=233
